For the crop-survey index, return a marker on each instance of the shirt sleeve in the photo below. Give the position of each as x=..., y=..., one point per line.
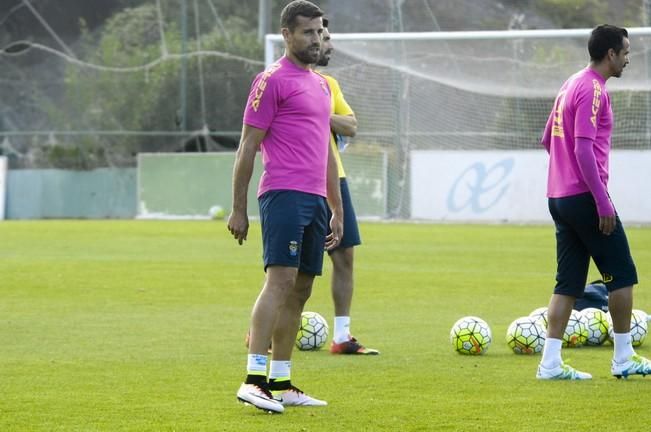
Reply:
x=263, y=101
x=589, y=103
x=587, y=162
x=546, y=140
x=341, y=107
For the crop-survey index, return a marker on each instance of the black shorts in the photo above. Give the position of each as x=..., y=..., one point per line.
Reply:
x=293, y=230
x=351, y=229
x=578, y=239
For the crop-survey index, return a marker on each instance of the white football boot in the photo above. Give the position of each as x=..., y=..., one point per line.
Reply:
x=259, y=397
x=561, y=372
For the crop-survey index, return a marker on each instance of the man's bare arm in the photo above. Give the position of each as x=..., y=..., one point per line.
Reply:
x=238, y=221
x=345, y=125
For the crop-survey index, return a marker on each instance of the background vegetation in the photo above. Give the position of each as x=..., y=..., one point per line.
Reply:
x=105, y=113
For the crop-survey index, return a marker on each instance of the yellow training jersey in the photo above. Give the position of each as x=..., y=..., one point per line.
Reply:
x=339, y=107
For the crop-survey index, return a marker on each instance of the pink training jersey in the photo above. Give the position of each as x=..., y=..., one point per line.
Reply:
x=582, y=113
x=293, y=106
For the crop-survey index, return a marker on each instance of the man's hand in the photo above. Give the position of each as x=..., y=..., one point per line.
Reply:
x=238, y=225
x=607, y=224
x=337, y=232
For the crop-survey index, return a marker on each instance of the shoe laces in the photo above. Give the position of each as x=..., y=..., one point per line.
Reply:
x=264, y=388
x=353, y=342
x=641, y=362
x=293, y=388
x=569, y=371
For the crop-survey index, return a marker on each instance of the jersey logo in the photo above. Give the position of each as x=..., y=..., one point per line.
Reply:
x=557, y=128
x=324, y=86
x=262, y=85
x=596, y=101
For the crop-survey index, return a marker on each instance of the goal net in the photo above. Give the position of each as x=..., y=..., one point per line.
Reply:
x=470, y=91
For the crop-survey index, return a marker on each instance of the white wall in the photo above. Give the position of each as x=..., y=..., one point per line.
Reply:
x=3, y=185
x=491, y=186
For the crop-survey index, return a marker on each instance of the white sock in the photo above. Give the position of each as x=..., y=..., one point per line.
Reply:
x=342, y=329
x=280, y=369
x=256, y=364
x=551, y=356
x=623, y=347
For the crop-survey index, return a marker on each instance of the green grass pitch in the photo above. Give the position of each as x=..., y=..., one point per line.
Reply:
x=139, y=326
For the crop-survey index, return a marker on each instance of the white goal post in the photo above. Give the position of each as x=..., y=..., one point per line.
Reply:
x=273, y=39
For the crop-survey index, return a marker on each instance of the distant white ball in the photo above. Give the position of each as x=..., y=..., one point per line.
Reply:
x=576, y=331
x=217, y=212
x=525, y=335
x=597, y=324
x=313, y=333
x=540, y=315
x=643, y=315
x=639, y=327
x=471, y=335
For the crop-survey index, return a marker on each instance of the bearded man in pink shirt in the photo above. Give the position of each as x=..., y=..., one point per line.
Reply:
x=578, y=139
x=287, y=118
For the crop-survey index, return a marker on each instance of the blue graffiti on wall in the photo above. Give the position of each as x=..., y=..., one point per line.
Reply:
x=480, y=187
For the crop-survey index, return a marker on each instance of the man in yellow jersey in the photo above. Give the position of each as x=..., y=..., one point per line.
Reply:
x=342, y=123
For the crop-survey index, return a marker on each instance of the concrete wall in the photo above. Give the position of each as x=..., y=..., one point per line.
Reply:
x=53, y=193
x=186, y=185
x=482, y=186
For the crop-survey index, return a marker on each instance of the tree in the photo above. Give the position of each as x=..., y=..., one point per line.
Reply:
x=136, y=86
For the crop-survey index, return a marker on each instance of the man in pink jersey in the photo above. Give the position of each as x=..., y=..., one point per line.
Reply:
x=577, y=137
x=287, y=117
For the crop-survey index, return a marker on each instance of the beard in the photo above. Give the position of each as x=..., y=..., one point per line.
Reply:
x=323, y=61
x=618, y=74
x=308, y=56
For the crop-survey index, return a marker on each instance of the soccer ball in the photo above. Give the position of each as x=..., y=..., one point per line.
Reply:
x=639, y=327
x=525, y=335
x=597, y=324
x=576, y=331
x=643, y=315
x=313, y=333
x=217, y=212
x=540, y=315
x=471, y=335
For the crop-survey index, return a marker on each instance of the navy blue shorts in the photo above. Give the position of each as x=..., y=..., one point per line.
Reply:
x=293, y=230
x=351, y=229
x=578, y=239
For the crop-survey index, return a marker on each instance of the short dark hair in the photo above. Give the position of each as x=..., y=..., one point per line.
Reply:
x=294, y=9
x=603, y=38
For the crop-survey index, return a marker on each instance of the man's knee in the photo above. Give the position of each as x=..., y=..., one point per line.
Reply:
x=280, y=280
x=303, y=286
x=342, y=259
